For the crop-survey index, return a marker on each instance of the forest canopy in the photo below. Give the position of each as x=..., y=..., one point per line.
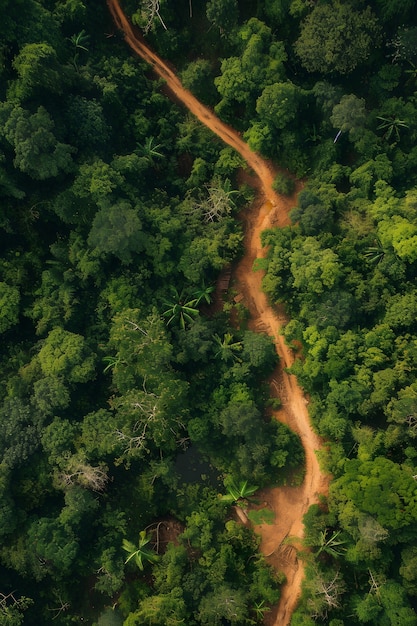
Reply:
x=134, y=409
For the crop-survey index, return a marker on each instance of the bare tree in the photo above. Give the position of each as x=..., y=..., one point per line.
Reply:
x=218, y=203
x=79, y=472
x=325, y=595
x=146, y=14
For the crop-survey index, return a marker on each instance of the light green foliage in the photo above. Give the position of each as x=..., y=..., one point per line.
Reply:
x=38, y=68
x=168, y=609
x=141, y=347
x=12, y=608
x=366, y=175
x=380, y=488
x=96, y=181
x=401, y=311
x=278, y=104
x=260, y=64
x=66, y=353
x=9, y=306
x=336, y=38
x=314, y=269
x=236, y=492
x=401, y=234
x=142, y=552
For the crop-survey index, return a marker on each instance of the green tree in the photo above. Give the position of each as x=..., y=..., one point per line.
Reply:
x=223, y=13
x=391, y=125
x=380, y=488
x=228, y=349
x=80, y=43
x=278, y=104
x=140, y=553
x=314, y=269
x=38, y=69
x=12, y=609
x=66, y=354
x=180, y=309
x=337, y=38
x=225, y=603
x=117, y=229
x=349, y=114
x=9, y=306
x=236, y=492
x=38, y=152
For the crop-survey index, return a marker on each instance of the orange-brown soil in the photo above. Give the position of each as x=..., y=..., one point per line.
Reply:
x=281, y=540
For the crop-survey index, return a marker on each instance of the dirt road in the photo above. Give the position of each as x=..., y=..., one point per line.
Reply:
x=288, y=503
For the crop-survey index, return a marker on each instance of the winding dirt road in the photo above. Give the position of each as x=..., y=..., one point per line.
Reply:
x=288, y=503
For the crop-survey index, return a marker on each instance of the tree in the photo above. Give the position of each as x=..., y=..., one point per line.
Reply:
x=12, y=608
x=180, y=309
x=278, y=104
x=65, y=353
x=243, y=77
x=147, y=13
x=330, y=544
x=142, y=349
x=223, y=13
x=117, y=229
x=236, y=492
x=9, y=306
x=79, y=42
x=38, y=69
x=225, y=603
x=349, y=114
x=140, y=553
x=314, y=269
x=336, y=38
x=391, y=125
x=165, y=608
x=228, y=349
x=150, y=150
x=37, y=151
x=380, y=488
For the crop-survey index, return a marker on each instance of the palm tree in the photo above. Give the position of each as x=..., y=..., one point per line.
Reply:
x=140, y=553
x=391, y=125
x=204, y=293
x=330, y=545
x=150, y=150
x=80, y=41
x=375, y=254
x=227, y=348
x=236, y=492
x=112, y=362
x=260, y=609
x=180, y=309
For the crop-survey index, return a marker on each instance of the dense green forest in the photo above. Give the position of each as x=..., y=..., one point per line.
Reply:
x=121, y=373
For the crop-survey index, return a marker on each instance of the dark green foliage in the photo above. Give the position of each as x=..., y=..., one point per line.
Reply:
x=336, y=38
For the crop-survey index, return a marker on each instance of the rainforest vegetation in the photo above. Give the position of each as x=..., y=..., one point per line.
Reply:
x=119, y=369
